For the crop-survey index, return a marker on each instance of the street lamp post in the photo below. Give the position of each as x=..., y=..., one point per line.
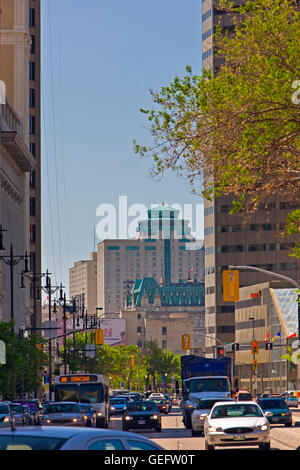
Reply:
x=12, y=260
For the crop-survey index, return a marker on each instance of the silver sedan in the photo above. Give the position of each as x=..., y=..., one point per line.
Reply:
x=63, y=413
x=237, y=424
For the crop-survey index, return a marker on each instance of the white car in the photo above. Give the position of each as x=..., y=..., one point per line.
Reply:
x=237, y=424
x=202, y=411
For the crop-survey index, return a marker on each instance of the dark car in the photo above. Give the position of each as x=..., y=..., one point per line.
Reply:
x=28, y=417
x=6, y=415
x=161, y=404
x=35, y=407
x=142, y=415
x=117, y=405
x=243, y=396
x=89, y=414
x=279, y=409
x=19, y=416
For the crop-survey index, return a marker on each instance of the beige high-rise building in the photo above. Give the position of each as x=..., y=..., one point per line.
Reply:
x=83, y=284
x=236, y=240
x=163, y=248
x=20, y=152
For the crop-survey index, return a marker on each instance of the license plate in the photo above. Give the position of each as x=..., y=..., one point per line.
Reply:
x=239, y=438
x=141, y=422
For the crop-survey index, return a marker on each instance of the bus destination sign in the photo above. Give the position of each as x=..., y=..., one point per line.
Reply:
x=78, y=378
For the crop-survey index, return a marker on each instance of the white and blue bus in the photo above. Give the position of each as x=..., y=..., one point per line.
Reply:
x=85, y=388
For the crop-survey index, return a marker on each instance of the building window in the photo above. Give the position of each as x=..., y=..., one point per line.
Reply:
x=32, y=233
x=32, y=45
x=31, y=17
x=32, y=180
x=31, y=71
x=32, y=206
x=139, y=330
x=32, y=97
x=164, y=344
x=164, y=331
x=32, y=125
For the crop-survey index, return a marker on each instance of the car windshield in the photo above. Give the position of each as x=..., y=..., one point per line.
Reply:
x=244, y=396
x=85, y=408
x=158, y=400
x=120, y=401
x=15, y=408
x=235, y=411
x=4, y=409
x=271, y=404
x=206, y=404
x=209, y=385
x=13, y=442
x=147, y=406
x=63, y=408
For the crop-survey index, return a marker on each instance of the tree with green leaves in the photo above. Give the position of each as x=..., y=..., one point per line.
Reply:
x=237, y=132
x=25, y=361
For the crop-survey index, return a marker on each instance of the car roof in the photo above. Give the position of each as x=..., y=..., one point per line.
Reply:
x=67, y=432
x=242, y=402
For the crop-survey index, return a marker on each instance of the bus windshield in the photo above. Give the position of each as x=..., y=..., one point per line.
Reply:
x=211, y=384
x=84, y=393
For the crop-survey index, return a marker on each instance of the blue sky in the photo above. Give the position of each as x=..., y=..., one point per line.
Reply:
x=99, y=60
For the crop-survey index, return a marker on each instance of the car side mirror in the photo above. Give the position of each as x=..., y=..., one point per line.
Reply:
x=268, y=413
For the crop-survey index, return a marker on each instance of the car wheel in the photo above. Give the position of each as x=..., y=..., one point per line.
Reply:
x=208, y=446
x=288, y=424
x=158, y=429
x=196, y=433
x=265, y=446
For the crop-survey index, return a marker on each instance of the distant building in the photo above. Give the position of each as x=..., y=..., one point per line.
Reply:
x=83, y=284
x=164, y=313
x=163, y=248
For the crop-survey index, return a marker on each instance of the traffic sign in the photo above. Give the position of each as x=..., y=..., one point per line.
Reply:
x=231, y=285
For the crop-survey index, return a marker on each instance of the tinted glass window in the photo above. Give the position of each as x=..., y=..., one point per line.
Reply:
x=4, y=409
x=236, y=411
x=30, y=443
x=142, y=407
x=140, y=445
x=63, y=408
x=106, y=444
x=206, y=404
x=264, y=404
x=91, y=393
x=209, y=385
x=16, y=408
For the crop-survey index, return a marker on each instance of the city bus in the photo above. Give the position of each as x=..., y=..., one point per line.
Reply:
x=85, y=388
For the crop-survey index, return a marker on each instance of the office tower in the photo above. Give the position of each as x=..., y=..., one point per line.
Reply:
x=163, y=248
x=241, y=239
x=83, y=284
x=20, y=149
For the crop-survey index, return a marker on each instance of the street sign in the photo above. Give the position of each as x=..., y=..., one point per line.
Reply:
x=90, y=350
x=185, y=342
x=50, y=329
x=231, y=285
x=2, y=352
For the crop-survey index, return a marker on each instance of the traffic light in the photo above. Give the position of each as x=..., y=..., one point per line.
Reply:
x=221, y=352
x=255, y=347
x=99, y=336
x=255, y=365
x=268, y=346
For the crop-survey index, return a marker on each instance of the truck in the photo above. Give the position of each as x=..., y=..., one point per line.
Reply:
x=203, y=378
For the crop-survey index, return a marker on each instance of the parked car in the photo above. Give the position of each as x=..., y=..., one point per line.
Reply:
x=90, y=415
x=66, y=438
x=236, y=424
x=161, y=404
x=117, y=405
x=279, y=409
x=142, y=415
x=202, y=411
x=63, y=413
x=6, y=415
x=35, y=407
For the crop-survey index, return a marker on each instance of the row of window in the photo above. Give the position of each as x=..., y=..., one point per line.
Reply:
x=256, y=247
x=269, y=206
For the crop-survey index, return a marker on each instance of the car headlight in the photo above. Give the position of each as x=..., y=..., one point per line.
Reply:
x=154, y=417
x=128, y=418
x=213, y=429
x=48, y=420
x=75, y=420
x=99, y=413
x=112, y=408
x=264, y=427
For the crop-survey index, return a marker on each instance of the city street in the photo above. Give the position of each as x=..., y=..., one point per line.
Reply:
x=175, y=436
